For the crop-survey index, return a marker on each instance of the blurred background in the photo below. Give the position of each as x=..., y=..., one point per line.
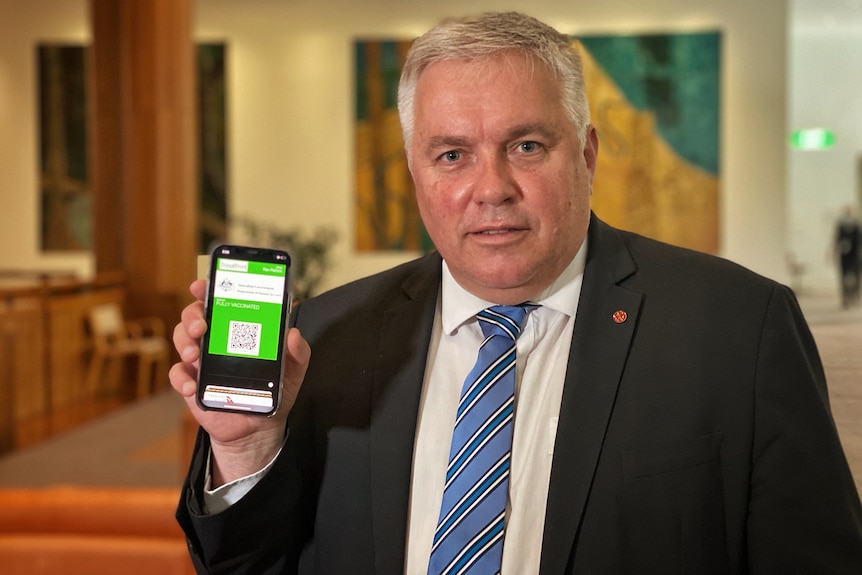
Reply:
x=138, y=133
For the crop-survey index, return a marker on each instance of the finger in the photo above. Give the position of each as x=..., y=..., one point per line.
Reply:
x=192, y=318
x=183, y=378
x=198, y=289
x=188, y=332
x=187, y=347
x=193, y=314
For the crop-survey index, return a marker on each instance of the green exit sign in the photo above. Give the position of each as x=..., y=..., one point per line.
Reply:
x=812, y=139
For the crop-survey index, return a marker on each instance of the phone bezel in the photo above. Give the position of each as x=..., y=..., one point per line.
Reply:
x=220, y=366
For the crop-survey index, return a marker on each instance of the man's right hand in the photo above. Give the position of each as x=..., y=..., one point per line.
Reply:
x=241, y=444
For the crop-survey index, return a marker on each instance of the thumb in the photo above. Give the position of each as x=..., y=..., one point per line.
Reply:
x=297, y=354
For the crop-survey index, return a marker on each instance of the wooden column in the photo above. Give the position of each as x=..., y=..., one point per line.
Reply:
x=144, y=152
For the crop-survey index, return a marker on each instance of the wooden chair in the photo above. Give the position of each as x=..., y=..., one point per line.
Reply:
x=117, y=338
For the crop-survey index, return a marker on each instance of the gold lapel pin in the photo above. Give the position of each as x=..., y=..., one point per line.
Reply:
x=620, y=316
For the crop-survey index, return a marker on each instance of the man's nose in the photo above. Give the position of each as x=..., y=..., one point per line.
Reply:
x=495, y=183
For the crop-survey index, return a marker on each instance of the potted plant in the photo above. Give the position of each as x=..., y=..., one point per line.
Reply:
x=309, y=251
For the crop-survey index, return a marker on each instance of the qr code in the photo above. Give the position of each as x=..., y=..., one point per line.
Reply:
x=243, y=338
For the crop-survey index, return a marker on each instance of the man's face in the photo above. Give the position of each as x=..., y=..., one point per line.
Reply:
x=502, y=184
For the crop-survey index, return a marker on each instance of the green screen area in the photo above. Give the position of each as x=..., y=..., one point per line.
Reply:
x=266, y=315
x=246, y=321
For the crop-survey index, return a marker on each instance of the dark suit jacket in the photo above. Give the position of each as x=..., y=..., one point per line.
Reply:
x=694, y=437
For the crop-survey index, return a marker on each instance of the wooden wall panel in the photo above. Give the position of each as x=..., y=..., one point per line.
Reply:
x=22, y=356
x=145, y=150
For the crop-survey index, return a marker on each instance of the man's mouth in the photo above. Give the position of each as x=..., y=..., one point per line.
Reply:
x=495, y=232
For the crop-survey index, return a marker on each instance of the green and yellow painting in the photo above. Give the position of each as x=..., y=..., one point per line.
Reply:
x=386, y=214
x=654, y=100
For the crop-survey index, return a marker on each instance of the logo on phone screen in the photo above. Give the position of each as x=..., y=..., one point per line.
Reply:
x=246, y=309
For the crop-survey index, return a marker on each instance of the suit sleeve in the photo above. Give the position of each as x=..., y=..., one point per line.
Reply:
x=263, y=533
x=804, y=512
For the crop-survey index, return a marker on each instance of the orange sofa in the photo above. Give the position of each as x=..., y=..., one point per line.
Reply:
x=91, y=531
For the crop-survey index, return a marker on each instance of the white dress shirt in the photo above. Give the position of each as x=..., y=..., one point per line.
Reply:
x=542, y=356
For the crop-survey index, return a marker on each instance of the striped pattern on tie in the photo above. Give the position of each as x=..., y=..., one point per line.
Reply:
x=469, y=535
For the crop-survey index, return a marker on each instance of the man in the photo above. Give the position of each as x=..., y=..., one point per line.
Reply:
x=671, y=413
x=848, y=243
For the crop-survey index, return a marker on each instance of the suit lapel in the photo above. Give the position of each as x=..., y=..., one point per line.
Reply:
x=598, y=352
x=405, y=331
x=599, y=349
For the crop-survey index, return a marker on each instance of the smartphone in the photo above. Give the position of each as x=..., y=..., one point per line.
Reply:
x=246, y=308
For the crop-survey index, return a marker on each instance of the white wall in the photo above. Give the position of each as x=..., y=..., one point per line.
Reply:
x=825, y=84
x=291, y=106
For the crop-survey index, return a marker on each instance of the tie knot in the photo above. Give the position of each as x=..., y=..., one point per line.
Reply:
x=506, y=320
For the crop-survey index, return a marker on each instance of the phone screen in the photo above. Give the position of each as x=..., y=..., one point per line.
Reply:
x=247, y=304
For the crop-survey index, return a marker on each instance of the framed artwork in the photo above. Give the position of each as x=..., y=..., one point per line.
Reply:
x=655, y=102
x=66, y=216
x=212, y=131
x=386, y=214
x=63, y=182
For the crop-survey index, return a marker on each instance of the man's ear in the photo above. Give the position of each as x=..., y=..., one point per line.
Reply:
x=591, y=151
x=409, y=157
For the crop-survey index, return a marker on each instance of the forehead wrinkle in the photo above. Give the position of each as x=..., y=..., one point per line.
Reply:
x=480, y=71
x=521, y=130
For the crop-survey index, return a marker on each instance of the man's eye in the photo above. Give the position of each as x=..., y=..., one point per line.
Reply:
x=451, y=156
x=528, y=147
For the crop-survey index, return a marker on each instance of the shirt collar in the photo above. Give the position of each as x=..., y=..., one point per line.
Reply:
x=458, y=306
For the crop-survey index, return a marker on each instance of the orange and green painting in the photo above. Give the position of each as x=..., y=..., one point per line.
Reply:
x=386, y=214
x=655, y=102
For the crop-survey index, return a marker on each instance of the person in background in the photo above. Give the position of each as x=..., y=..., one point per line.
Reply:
x=659, y=410
x=848, y=239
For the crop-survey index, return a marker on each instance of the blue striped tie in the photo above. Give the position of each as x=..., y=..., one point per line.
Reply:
x=469, y=535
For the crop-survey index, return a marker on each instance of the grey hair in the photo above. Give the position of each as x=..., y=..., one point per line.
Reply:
x=484, y=36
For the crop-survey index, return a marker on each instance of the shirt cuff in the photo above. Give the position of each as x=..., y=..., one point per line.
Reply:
x=218, y=499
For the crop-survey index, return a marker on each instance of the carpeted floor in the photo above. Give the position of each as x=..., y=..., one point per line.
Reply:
x=838, y=333
x=140, y=445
